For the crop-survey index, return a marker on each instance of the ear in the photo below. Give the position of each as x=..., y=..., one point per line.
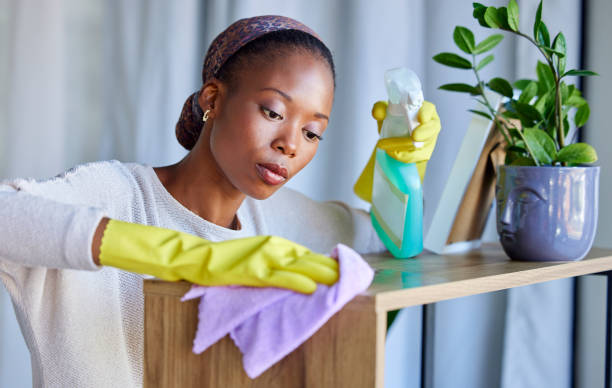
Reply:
x=209, y=97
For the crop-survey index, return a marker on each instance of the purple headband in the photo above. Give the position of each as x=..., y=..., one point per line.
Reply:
x=242, y=32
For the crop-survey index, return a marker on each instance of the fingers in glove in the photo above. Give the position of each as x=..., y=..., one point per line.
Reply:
x=392, y=143
x=426, y=130
x=427, y=112
x=379, y=110
x=321, y=259
x=291, y=280
x=318, y=272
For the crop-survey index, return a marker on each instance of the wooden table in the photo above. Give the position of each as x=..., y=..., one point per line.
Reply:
x=348, y=351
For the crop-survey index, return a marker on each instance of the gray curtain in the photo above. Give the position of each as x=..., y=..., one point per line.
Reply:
x=92, y=80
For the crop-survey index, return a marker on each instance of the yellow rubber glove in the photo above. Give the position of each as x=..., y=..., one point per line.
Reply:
x=260, y=261
x=402, y=148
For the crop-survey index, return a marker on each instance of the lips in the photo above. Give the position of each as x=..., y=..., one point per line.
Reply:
x=507, y=235
x=271, y=173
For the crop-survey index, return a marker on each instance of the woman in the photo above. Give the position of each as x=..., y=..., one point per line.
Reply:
x=72, y=247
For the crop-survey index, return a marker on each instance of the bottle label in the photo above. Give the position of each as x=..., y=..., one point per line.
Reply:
x=389, y=206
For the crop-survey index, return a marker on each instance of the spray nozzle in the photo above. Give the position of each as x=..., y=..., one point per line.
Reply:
x=405, y=96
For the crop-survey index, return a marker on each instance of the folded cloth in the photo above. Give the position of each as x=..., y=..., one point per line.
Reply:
x=266, y=324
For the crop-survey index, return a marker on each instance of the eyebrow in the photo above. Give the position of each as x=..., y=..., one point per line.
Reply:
x=288, y=98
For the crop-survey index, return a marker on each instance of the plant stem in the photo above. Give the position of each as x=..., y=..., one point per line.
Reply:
x=498, y=123
x=544, y=53
x=559, y=114
x=487, y=104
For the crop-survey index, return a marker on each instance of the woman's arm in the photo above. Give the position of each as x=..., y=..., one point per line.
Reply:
x=319, y=225
x=97, y=240
x=41, y=232
x=36, y=231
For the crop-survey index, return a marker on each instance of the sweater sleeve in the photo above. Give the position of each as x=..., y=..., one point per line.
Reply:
x=36, y=231
x=319, y=225
x=51, y=222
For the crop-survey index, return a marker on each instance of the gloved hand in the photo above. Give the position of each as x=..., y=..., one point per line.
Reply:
x=402, y=148
x=259, y=261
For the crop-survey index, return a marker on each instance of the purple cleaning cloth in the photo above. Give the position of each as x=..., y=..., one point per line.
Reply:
x=266, y=324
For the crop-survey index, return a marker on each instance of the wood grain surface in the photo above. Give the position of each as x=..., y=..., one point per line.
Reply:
x=348, y=351
x=432, y=278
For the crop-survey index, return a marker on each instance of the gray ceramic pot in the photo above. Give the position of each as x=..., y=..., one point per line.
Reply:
x=547, y=213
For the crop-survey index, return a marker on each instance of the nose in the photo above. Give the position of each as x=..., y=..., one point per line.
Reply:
x=286, y=142
x=506, y=216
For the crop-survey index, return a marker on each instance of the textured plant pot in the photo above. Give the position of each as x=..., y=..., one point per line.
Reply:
x=547, y=213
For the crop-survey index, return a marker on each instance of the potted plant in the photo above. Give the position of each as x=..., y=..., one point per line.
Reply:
x=547, y=190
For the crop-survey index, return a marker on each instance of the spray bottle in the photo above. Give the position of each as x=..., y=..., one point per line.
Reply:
x=397, y=194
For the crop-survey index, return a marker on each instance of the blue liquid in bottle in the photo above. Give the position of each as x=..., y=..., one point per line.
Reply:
x=397, y=206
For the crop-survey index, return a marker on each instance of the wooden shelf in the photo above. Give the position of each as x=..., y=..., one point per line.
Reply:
x=348, y=351
x=432, y=278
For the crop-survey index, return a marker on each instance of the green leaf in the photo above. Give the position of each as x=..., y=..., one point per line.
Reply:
x=502, y=16
x=514, y=152
x=528, y=112
x=485, y=61
x=492, y=18
x=543, y=35
x=479, y=11
x=561, y=63
x=522, y=161
x=577, y=153
x=542, y=146
x=459, y=87
x=580, y=72
x=501, y=86
x=517, y=149
x=522, y=83
x=510, y=114
x=530, y=91
x=513, y=15
x=575, y=97
x=560, y=45
x=516, y=135
x=538, y=20
x=488, y=43
x=544, y=102
x=564, y=91
x=481, y=113
x=582, y=115
x=453, y=60
x=545, y=76
x=464, y=39
x=552, y=51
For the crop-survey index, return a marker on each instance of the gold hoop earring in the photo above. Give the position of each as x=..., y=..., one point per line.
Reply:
x=205, y=117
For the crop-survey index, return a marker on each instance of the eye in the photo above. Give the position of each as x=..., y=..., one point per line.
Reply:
x=528, y=196
x=311, y=136
x=272, y=115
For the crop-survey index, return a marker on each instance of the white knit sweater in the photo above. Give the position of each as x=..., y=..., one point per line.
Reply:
x=84, y=324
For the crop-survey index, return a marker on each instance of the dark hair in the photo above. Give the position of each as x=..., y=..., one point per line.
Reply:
x=271, y=45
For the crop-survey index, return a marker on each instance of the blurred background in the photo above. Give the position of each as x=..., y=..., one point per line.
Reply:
x=106, y=79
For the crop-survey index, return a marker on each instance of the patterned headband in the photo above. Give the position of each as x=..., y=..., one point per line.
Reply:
x=242, y=32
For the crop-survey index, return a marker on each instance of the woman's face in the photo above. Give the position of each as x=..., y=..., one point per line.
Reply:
x=267, y=129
